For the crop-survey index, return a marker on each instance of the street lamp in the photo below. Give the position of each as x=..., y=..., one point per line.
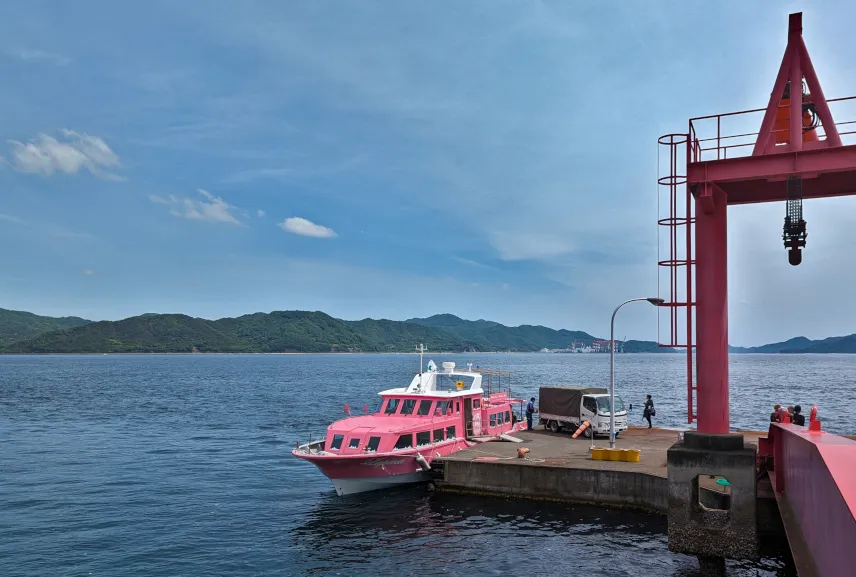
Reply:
x=654, y=301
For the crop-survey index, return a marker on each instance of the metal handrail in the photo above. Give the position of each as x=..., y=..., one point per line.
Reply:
x=698, y=149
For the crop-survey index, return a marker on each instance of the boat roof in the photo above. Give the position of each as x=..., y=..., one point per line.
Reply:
x=447, y=382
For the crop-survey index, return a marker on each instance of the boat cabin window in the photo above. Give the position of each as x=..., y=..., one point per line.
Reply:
x=450, y=432
x=445, y=382
x=458, y=406
x=404, y=442
x=379, y=406
x=407, y=406
x=424, y=408
x=507, y=416
x=476, y=403
x=500, y=418
x=442, y=407
x=373, y=444
x=391, y=406
x=438, y=435
x=337, y=442
x=493, y=420
x=590, y=404
x=423, y=438
x=354, y=443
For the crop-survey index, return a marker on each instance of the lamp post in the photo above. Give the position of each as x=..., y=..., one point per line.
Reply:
x=654, y=301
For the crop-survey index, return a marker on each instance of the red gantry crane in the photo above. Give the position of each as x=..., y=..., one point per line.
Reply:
x=796, y=154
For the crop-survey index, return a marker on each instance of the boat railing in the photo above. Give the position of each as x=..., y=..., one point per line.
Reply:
x=495, y=381
x=311, y=447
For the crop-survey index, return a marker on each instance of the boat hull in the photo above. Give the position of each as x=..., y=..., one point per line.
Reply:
x=365, y=484
x=359, y=473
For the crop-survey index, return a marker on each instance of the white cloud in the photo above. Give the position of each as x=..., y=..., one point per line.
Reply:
x=88, y=272
x=48, y=155
x=12, y=219
x=260, y=212
x=213, y=208
x=305, y=227
x=42, y=56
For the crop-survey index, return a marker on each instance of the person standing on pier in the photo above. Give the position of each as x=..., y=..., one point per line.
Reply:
x=530, y=410
x=798, y=418
x=775, y=416
x=649, y=410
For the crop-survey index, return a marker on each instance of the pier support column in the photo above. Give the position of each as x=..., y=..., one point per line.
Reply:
x=711, y=566
x=711, y=288
x=710, y=520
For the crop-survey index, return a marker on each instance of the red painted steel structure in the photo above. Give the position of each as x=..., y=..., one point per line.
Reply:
x=815, y=480
x=786, y=152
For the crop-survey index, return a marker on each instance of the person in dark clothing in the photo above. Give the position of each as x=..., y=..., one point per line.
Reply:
x=799, y=418
x=530, y=409
x=649, y=410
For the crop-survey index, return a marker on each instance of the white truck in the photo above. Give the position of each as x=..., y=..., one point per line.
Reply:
x=568, y=407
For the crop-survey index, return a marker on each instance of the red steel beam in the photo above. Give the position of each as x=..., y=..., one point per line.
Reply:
x=774, y=166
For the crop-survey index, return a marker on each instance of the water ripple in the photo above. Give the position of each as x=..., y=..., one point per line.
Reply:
x=180, y=465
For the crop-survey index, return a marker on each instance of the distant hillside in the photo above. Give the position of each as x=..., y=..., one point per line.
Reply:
x=299, y=331
x=802, y=345
x=280, y=331
x=488, y=335
x=20, y=325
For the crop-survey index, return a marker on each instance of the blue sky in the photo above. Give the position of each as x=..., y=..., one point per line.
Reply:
x=490, y=159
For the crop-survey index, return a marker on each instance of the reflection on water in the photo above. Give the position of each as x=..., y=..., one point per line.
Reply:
x=449, y=534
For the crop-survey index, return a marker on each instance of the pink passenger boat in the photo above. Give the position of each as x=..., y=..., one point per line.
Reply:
x=439, y=413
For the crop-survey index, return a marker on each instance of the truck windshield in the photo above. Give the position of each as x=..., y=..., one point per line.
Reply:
x=603, y=404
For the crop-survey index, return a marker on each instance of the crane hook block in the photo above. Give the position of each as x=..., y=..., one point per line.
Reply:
x=793, y=231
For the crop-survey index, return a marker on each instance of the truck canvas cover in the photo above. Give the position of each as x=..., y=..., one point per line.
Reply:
x=564, y=401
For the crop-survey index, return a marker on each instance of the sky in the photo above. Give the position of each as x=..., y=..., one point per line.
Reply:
x=491, y=159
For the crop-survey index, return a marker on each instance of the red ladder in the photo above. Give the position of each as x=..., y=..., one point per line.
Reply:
x=680, y=264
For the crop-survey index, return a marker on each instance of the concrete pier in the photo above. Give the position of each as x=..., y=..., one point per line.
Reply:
x=560, y=468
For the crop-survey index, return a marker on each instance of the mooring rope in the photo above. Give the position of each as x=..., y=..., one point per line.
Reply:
x=504, y=458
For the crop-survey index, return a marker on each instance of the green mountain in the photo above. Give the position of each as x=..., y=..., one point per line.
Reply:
x=297, y=331
x=802, y=345
x=790, y=345
x=20, y=325
x=491, y=336
x=279, y=331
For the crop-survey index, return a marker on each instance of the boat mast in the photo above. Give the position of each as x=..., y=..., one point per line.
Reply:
x=421, y=349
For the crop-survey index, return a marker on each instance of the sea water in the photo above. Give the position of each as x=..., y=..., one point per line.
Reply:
x=164, y=465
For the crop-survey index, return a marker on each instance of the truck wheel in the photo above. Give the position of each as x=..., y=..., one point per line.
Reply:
x=588, y=433
x=554, y=426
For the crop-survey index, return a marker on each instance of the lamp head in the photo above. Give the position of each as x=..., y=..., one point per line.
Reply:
x=655, y=301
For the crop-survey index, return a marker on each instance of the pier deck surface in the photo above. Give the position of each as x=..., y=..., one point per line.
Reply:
x=560, y=450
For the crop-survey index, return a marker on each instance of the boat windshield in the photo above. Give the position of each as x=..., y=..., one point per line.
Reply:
x=603, y=404
x=444, y=382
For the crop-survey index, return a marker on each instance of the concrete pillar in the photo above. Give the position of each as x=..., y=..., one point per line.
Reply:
x=716, y=533
x=711, y=288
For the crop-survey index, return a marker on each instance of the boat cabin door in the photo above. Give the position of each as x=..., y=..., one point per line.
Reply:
x=472, y=417
x=468, y=418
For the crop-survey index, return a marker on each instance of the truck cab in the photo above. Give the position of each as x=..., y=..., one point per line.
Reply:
x=568, y=407
x=596, y=410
